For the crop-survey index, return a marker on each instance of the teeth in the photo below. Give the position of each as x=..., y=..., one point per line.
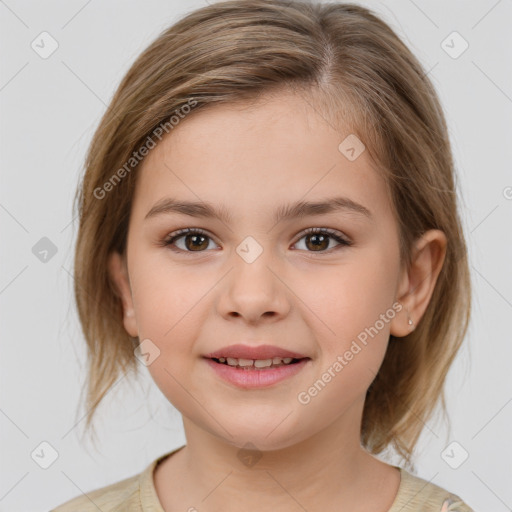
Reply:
x=257, y=363
x=262, y=363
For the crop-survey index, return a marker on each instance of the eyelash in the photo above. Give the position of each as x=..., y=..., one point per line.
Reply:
x=171, y=239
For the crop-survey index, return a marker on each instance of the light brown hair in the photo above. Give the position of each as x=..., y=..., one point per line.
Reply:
x=359, y=75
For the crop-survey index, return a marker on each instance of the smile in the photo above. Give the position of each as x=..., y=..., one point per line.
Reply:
x=256, y=373
x=251, y=364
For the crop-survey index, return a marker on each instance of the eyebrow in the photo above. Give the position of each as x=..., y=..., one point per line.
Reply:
x=294, y=210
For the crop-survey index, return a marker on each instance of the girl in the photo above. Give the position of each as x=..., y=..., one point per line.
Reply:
x=268, y=223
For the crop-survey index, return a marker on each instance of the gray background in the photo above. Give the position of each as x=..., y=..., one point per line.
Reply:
x=49, y=110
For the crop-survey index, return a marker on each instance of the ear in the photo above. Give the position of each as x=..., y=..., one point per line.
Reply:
x=118, y=271
x=417, y=282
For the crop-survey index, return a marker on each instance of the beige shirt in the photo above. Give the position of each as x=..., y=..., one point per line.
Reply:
x=138, y=494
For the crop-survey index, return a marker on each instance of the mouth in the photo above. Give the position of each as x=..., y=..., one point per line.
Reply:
x=255, y=367
x=257, y=364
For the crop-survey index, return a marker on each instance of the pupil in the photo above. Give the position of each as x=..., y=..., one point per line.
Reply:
x=317, y=244
x=195, y=239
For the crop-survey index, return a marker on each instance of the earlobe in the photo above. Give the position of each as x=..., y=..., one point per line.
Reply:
x=403, y=323
x=119, y=274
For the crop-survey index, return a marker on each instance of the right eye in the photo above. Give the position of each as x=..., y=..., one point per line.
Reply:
x=194, y=240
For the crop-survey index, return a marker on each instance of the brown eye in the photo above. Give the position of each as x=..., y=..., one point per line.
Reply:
x=194, y=240
x=318, y=240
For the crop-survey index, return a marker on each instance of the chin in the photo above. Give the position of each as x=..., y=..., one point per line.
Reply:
x=262, y=435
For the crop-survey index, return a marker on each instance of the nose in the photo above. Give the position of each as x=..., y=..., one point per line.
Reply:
x=253, y=291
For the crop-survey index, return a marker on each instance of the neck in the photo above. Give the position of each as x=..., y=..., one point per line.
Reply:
x=212, y=474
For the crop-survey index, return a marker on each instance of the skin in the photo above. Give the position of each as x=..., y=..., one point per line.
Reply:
x=252, y=161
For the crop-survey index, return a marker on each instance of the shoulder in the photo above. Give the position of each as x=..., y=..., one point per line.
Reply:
x=416, y=493
x=134, y=494
x=106, y=499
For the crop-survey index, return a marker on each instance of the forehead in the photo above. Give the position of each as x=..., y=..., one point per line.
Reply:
x=252, y=157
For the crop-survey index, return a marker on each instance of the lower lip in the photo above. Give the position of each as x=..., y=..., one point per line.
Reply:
x=251, y=379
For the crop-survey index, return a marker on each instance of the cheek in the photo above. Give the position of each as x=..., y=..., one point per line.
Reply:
x=351, y=326
x=168, y=299
x=353, y=302
x=171, y=305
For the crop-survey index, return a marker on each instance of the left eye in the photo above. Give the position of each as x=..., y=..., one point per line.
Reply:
x=317, y=238
x=197, y=240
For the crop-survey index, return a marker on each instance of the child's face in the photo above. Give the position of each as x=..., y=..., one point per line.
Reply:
x=251, y=163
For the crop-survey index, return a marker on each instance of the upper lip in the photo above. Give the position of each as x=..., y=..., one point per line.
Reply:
x=240, y=351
